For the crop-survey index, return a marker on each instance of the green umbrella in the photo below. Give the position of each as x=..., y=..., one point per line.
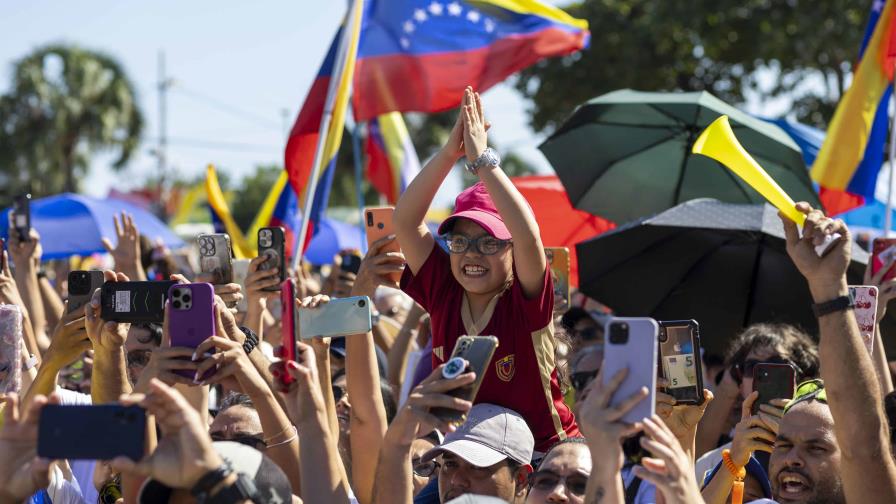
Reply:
x=627, y=155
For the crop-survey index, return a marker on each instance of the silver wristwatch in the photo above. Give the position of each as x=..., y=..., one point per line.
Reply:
x=488, y=158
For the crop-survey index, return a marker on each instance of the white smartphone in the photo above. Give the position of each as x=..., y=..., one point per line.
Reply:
x=865, y=298
x=632, y=343
x=339, y=317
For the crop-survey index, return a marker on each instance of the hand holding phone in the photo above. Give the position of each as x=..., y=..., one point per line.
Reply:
x=632, y=344
x=471, y=354
x=772, y=381
x=134, y=301
x=337, y=317
x=379, y=225
x=20, y=217
x=288, y=327
x=99, y=432
x=10, y=348
x=272, y=244
x=680, y=361
x=191, y=318
x=81, y=286
x=215, y=257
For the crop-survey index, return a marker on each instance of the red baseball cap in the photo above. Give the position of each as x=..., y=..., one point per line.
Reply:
x=476, y=204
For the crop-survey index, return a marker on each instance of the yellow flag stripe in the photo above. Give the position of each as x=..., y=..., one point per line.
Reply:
x=216, y=199
x=539, y=9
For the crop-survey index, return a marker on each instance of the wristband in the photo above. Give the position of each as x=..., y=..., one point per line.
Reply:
x=41, y=274
x=211, y=479
x=739, y=473
x=837, y=304
x=251, y=339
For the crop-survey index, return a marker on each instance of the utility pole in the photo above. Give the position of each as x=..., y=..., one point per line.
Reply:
x=161, y=152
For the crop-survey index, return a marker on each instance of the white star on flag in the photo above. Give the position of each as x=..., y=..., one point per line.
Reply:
x=473, y=16
x=878, y=5
x=408, y=27
x=454, y=9
x=405, y=43
x=489, y=25
x=435, y=9
x=420, y=15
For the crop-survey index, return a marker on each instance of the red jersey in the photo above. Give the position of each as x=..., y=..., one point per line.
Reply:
x=523, y=374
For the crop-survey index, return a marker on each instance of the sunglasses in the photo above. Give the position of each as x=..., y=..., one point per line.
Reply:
x=426, y=469
x=581, y=379
x=485, y=244
x=546, y=481
x=251, y=441
x=745, y=369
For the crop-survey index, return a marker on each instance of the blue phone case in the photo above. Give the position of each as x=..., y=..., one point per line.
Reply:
x=99, y=432
x=339, y=317
x=639, y=355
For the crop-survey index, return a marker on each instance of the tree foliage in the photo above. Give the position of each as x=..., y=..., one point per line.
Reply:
x=799, y=51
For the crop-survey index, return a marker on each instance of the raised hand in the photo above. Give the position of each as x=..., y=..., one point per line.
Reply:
x=475, y=137
x=26, y=254
x=126, y=251
x=21, y=472
x=377, y=269
x=9, y=291
x=69, y=339
x=258, y=280
x=234, y=368
x=669, y=467
x=681, y=419
x=601, y=423
x=754, y=432
x=824, y=274
x=185, y=453
x=105, y=335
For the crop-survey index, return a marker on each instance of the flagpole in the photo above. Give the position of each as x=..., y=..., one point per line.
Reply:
x=888, y=217
x=359, y=175
x=325, y=121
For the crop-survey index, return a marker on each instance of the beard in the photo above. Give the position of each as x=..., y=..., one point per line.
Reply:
x=830, y=491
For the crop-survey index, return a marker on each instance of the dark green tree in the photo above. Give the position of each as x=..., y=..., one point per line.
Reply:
x=800, y=51
x=64, y=104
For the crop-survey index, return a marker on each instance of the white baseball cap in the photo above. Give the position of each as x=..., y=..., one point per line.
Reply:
x=491, y=434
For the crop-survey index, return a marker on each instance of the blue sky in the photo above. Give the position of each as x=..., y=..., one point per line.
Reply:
x=236, y=65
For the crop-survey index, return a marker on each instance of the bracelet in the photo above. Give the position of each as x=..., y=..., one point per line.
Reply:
x=295, y=435
x=41, y=274
x=251, y=339
x=30, y=362
x=739, y=473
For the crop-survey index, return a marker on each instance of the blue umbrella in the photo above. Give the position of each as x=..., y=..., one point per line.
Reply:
x=73, y=224
x=332, y=236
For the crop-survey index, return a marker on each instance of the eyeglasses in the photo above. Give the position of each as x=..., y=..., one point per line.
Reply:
x=426, y=469
x=139, y=358
x=745, y=369
x=485, y=244
x=252, y=441
x=581, y=379
x=548, y=480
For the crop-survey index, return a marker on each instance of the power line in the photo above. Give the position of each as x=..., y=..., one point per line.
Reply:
x=197, y=143
x=226, y=108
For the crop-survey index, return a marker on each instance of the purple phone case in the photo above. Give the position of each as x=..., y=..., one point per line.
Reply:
x=189, y=328
x=639, y=355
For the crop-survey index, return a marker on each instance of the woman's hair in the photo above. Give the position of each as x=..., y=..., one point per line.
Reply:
x=573, y=316
x=787, y=341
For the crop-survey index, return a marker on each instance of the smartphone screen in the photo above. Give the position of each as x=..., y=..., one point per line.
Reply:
x=99, y=432
x=865, y=298
x=773, y=381
x=680, y=361
x=883, y=255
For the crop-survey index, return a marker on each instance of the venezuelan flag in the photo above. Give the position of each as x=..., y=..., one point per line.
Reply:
x=419, y=55
x=221, y=216
x=328, y=95
x=849, y=161
x=392, y=161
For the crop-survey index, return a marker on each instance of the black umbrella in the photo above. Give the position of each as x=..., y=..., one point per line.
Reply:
x=724, y=265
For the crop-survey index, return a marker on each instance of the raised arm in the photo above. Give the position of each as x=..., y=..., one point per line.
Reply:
x=126, y=251
x=528, y=251
x=26, y=256
x=109, y=379
x=852, y=386
x=397, y=358
x=413, y=235
x=886, y=292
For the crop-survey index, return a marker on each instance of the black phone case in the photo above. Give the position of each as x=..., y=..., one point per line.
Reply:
x=100, y=432
x=276, y=248
x=81, y=285
x=134, y=301
x=773, y=381
x=351, y=263
x=478, y=352
x=22, y=206
x=685, y=395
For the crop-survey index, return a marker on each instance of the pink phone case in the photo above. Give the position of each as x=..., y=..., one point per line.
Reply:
x=288, y=323
x=191, y=320
x=865, y=297
x=10, y=348
x=632, y=343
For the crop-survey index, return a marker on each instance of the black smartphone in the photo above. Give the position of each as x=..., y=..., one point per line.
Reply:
x=21, y=216
x=134, y=301
x=272, y=243
x=100, y=432
x=81, y=286
x=351, y=262
x=773, y=381
x=679, y=357
x=478, y=352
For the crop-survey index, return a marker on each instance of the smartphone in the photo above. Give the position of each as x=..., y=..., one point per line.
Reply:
x=632, y=343
x=215, y=257
x=883, y=255
x=271, y=242
x=680, y=360
x=21, y=216
x=10, y=348
x=288, y=324
x=134, y=301
x=191, y=319
x=478, y=352
x=351, y=262
x=773, y=381
x=240, y=271
x=100, y=432
x=865, y=299
x=558, y=261
x=339, y=317
x=379, y=225
x=81, y=286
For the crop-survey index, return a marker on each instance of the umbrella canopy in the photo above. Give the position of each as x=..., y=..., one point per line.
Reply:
x=724, y=265
x=73, y=224
x=560, y=224
x=627, y=154
x=332, y=236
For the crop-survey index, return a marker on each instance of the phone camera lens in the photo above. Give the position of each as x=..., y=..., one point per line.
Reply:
x=664, y=336
x=177, y=304
x=186, y=298
x=362, y=303
x=618, y=333
x=380, y=225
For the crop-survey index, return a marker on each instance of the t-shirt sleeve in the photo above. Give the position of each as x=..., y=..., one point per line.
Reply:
x=540, y=309
x=434, y=276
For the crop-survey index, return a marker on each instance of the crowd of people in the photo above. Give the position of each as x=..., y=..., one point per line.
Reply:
x=354, y=418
